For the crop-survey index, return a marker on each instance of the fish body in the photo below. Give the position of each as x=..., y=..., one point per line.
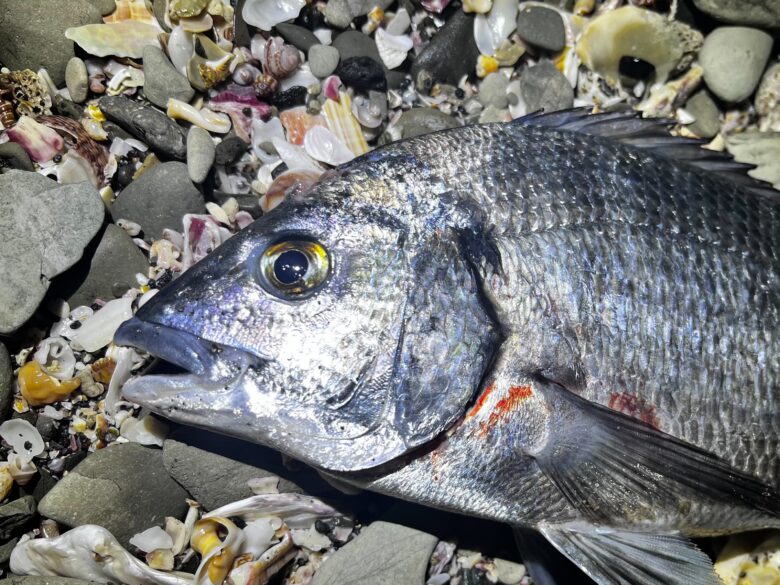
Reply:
x=548, y=323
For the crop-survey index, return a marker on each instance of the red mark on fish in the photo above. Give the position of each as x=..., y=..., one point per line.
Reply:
x=502, y=408
x=634, y=407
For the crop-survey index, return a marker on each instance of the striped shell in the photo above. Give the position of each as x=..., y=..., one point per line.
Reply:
x=280, y=60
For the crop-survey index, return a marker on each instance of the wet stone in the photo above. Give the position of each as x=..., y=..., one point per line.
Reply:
x=230, y=150
x=763, y=13
x=418, y=121
x=452, y=52
x=545, y=88
x=6, y=382
x=162, y=80
x=362, y=73
x=105, y=7
x=67, y=108
x=13, y=156
x=492, y=91
x=295, y=96
x=47, y=427
x=14, y=515
x=6, y=549
x=201, y=152
x=541, y=27
x=298, y=36
x=702, y=107
x=355, y=44
x=242, y=37
x=323, y=60
x=77, y=80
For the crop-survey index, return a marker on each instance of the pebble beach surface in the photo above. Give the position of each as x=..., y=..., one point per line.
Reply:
x=136, y=136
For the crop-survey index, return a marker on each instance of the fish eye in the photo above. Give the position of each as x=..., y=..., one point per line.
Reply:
x=294, y=267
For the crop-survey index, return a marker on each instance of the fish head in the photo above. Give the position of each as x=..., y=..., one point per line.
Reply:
x=326, y=330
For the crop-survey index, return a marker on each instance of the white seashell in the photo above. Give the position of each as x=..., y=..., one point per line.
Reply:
x=218, y=213
x=311, y=539
x=296, y=510
x=56, y=358
x=152, y=539
x=205, y=118
x=88, y=552
x=181, y=48
x=245, y=74
x=145, y=431
x=369, y=113
x=322, y=145
x=197, y=24
x=263, y=134
x=490, y=30
x=20, y=469
x=295, y=157
x=257, y=47
x=392, y=48
x=266, y=14
x=147, y=296
x=121, y=39
x=124, y=79
x=400, y=23
x=258, y=535
x=178, y=533
x=132, y=228
x=264, y=177
x=302, y=77
x=227, y=550
x=98, y=331
x=24, y=438
x=124, y=358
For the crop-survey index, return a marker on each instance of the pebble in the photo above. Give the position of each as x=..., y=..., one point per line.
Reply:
x=242, y=36
x=201, y=152
x=77, y=80
x=509, y=573
x=159, y=7
x=13, y=156
x=362, y=73
x=340, y=13
x=33, y=33
x=295, y=96
x=355, y=44
x=47, y=427
x=450, y=55
x=45, y=229
x=543, y=87
x=6, y=382
x=123, y=488
x=761, y=149
x=418, y=121
x=382, y=553
x=32, y=580
x=492, y=91
x=702, y=107
x=162, y=80
x=146, y=124
x=112, y=268
x=5, y=554
x=763, y=13
x=733, y=58
x=298, y=36
x=105, y=7
x=14, y=515
x=158, y=199
x=323, y=60
x=541, y=27
x=229, y=150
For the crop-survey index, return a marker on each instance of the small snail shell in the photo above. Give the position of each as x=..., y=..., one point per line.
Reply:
x=280, y=60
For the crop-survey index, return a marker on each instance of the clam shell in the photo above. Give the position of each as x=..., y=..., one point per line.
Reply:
x=392, y=48
x=186, y=8
x=205, y=118
x=197, y=24
x=297, y=122
x=266, y=14
x=24, y=438
x=344, y=125
x=181, y=48
x=322, y=145
x=295, y=157
x=288, y=182
x=135, y=10
x=263, y=134
x=492, y=29
x=368, y=113
x=152, y=539
x=98, y=330
x=122, y=39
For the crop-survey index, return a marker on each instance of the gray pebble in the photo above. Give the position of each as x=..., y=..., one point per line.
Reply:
x=123, y=488
x=162, y=80
x=14, y=515
x=5, y=555
x=418, y=121
x=451, y=54
x=47, y=427
x=106, y=7
x=158, y=7
x=77, y=80
x=492, y=114
x=733, y=58
x=382, y=553
x=492, y=91
x=340, y=13
x=299, y=37
x=761, y=149
x=201, y=152
x=6, y=382
x=45, y=228
x=353, y=43
x=323, y=60
x=763, y=13
x=242, y=36
x=541, y=27
x=230, y=150
x=13, y=156
x=543, y=87
x=702, y=107
x=67, y=108
x=158, y=199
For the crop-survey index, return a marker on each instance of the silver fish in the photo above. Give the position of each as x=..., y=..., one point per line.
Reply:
x=569, y=323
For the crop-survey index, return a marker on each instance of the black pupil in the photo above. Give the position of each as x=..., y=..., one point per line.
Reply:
x=291, y=266
x=635, y=68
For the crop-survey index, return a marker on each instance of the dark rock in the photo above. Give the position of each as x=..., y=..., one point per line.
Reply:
x=298, y=36
x=124, y=175
x=230, y=150
x=541, y=27
x=13, y=156
x=14, y=515
x=147, y=124
x=158, y=199
x=162, y=79
x=763, y=13
x=33, y=33
x=452, y=52
x=5, y=554
x=362, y=73
x=295, y=96
x=418, y=121
x=6, y=382
x=115, y=131
x=310, y=17
x=67, y=108
x=545, y=88
x=42, y=485
x=355, y=44
x=123, y=488
x=702, y=107
x=242, y=37
x=47, y=427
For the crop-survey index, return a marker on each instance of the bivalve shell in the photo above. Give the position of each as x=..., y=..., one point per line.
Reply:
x=393, y=49
x=322, y=145
x=135, y=10
x=121, y=39
x=492, y=29
x=344, y=125
x=266, y=14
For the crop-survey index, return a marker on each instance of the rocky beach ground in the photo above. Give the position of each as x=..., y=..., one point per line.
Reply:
x=137, y=136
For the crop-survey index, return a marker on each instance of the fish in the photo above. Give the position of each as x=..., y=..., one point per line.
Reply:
x=569, y=323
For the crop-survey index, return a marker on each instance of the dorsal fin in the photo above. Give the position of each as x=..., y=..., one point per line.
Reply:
x=629, y=127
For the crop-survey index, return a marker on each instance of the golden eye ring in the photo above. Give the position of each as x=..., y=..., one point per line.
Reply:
x=294, y=267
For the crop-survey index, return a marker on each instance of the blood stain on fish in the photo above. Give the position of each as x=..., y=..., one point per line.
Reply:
x=635, y=407
x=504, y=407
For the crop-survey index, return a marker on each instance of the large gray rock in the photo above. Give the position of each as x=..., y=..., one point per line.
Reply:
x=158, y=199
x=545, y=88
x=147, y=124
x=541, y=27
x=323, y=60
x=112, y=269
x=211, y=479
x=32, y=33
x=45, y=228
x=764, y=13
x=14, y=515
x=451, y=54
x=123, y=488
x=382, y=554
x=733, y=59
x=6, y=382
x=162, y=80
x=354, y=43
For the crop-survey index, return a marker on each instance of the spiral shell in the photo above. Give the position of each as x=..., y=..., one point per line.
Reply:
x=265, y=86
x=280, y=60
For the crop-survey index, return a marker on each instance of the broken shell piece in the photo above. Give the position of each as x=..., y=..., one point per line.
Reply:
x=89, y=154
x=344, y=125
x=24, y=438
x=322, y=145
x=121, y=39
x=331, y=88
x=177, y=530
x=369, y=112
x=186, y=8
x=295, y=157
x=492, y=29
x=263, y=134
x=131, y=10
x=205, y=73
x=98, y=331
x=56, y=357
x=664, y=99
x=217, y=553
x=152, y=539
x=146, y=431
x=181, y=48
x=287, y=183
x=20, y=469
x=197, y=24
x=39, y=388
x=38, y=141
x=266, y=14
x=242, y=105
x=6, y=481
x=392, y=48
x=477, y=6
x=161, y=559
x=297, y=121
x=125, y=79
x=298, y=511
x=204, y=118
x=28, y=91
x=202, y=235
x=245, y=74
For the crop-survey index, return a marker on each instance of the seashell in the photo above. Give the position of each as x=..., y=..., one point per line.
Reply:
x=135, y=10
x=103, y=369
x=370, y=113
x=287, y=183
x=246, y=73
x=98, y=330
x=322, y=145
x=665, y=99
x=243, y=107
x=220, y=8
x=298, y=511
x=160, y=559
x=180, y=48
x=303, y=77
x=205, y=73
x=263, y=134
x=486, y=65
x=177, y=531
x=297, y=122
x=121, y=39
x=265, y=86
x=38, y=141
x=89, y=387
x=280, y=59
x=204, y=118
x=24, y=438
x=264, y=485
x=477, y=6
x=198, y=24
x=56, y=358
x=21, y=470
x=152, y=539
x=6, y=481
x=94, y=129
x=435, y=6
x=310, y=539
x=84, y=153
x=344, y=125
x=186, y=8
x=266, y=14
x=232, y=183
x=331, y=87
x=217, y=554
x=767, y=100
x=295, y=157
x=491, y=30
x=39, y=388
x=27, y=92
x=125, y=79
x=392, y=48
x=202, y=235
x=7, y=115
x=124, y=358
x=509, y=53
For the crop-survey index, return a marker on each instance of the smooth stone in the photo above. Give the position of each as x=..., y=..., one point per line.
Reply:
x=123, y=488
x=113, y=266
x=211, y=479
x=106, y=7
x=383, y=553
x=230, y=150
x=162, y=80
x=158, y=199
x=14, y=515
x=509, y=573
x=158, y=8
x=733, y=58
x=6, y=382
x=47, y=427
x=299, y=37
x=340, y=13
x=45, y=228
x=5, y=552
x=419, y=121
x=702, y=107
x=492, y=91
x=761, y=149
x=362, y=73
x=242, y=36
x=146, y=124
x=353, y=43
x=452, y=52
x=13, y=156
x=323, y=60
x=33, y=580
x=541, y=27
x=77, y=80
x=492, y=114
x=201, y=152
x=543, y=87
x=763, y=13
x=33, y=33
x=67, y=108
